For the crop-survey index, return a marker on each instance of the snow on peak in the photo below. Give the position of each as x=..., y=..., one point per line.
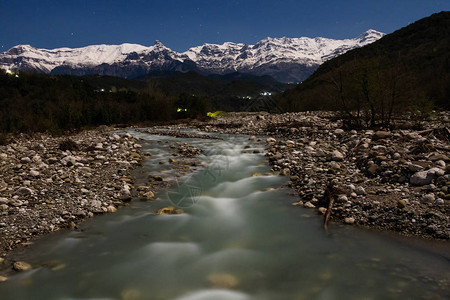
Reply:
x=210, y=58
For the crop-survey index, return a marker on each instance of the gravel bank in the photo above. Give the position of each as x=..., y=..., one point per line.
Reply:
x=50, y=183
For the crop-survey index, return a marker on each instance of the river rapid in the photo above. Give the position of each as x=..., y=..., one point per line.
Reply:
x=238, y=238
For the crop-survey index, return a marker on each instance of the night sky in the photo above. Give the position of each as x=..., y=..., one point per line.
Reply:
x=183, y=24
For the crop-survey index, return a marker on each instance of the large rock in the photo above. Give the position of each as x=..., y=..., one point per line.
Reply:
x=337, y=156
x=25, y=160
x=373, y=169
x=349, y=220
x=422, y=178
x=24, y=191
x=438, y=156
x=125, y=193
x=21, y=266
x=170, y=210
x=428, y=198
x=360, y=190
x=381, y=135
x=415, y=168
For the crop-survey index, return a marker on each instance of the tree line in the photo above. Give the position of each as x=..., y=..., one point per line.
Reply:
x=32, y=102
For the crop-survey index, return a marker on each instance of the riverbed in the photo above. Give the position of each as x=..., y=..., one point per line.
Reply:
x=237, y=238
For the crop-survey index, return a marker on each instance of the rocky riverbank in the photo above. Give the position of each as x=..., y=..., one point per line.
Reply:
x=48, y=183
x=395, y=180
x=391, y=180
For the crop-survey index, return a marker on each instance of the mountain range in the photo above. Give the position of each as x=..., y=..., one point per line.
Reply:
x=285, y=59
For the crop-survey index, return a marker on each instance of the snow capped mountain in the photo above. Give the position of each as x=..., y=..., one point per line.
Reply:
x=285, y=59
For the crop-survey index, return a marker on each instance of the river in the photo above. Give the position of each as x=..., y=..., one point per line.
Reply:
x=238, y=238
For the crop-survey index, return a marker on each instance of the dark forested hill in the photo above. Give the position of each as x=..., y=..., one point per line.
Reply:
x=406, y=70
x=39, y=102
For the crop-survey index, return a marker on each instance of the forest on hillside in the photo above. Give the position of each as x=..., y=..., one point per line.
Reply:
x=407, y=71
x=32, y=102
x=37, y=103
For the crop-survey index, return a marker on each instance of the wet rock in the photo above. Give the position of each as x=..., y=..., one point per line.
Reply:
x=170, y=210
x=96, y=204
x=322, y=210
x=285, y=172
x=222, y=281
x=271, y=140
x=111, y=209
x=21, y=266
x=149, y=195
x=349, y=220
x=130, y=294
x=125, y=193
x=309, y=205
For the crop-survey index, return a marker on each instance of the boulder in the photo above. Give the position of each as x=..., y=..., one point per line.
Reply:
x=25, y=160
x=111, y=209
x=349, y=220
x=125, y=193
x=421, y=178
x=309, y=205
x=21, y=266
x=428, y=198
x=338, y=131
x=438, y=156
x=24, y=191
x=373, y=169
x=170, y=210
x=401, y=204
x=149, y=195
x=222, y=281
x=337, y=156
x=359, y=190
x=381, y=135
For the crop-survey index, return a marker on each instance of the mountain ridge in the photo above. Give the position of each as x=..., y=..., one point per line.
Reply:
x=406, y=71
x=285, y=59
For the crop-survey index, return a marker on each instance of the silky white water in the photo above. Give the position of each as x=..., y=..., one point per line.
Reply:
x=239, y=238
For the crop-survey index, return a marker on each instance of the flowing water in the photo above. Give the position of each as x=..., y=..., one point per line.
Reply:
x=239, y=238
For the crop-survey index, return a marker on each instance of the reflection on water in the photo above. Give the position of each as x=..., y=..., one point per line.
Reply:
x=239, y=238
